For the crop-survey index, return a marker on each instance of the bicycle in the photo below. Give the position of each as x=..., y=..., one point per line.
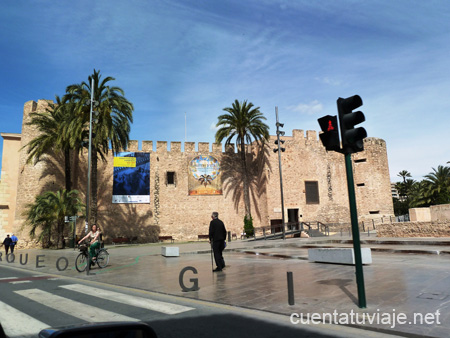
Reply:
x=101, y=255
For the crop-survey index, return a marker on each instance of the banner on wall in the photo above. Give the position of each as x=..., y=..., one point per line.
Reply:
x=204, y=177
x=131, y=178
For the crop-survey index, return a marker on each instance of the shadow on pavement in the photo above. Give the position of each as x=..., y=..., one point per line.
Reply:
x=226, y=326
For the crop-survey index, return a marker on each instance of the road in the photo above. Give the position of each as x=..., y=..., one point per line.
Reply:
x=31, y=301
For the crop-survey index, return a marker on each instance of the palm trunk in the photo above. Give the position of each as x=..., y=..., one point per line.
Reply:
x=93, y=202
x=60, y=232
x=245, y=180
x=67, y=169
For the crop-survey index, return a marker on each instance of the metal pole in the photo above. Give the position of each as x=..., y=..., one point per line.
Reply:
x=88, y=268
x=290, y=285
x=355, y=232
x=281, y=178
x=88, y=214
x=212, y=264
x=74, y=232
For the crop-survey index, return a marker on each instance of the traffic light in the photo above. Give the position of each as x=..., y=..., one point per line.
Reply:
x=330, y=135
x=278, y=141
x=352, y=138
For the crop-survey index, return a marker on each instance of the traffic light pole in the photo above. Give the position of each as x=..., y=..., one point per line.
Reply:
x=281, y=178
x=355, y=233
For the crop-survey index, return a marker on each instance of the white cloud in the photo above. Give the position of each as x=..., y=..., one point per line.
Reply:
x=312, y=108
x=328, y=81
x=213, y=127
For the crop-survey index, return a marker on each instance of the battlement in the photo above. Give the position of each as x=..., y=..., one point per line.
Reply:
x=33, y=106
x=298, y=136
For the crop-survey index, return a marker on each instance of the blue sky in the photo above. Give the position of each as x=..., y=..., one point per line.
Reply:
x=196, y=57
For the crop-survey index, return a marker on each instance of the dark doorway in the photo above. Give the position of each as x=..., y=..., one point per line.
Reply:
x=293, y=219
x=276, y=225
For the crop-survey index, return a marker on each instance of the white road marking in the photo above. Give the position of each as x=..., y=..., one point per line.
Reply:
x=18, y=324
x=145, y=303
x=20, y=282
x=72, y=307
x=8, y=278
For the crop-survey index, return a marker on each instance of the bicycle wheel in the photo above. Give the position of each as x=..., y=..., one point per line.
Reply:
x=102, y=258
x=81, y=262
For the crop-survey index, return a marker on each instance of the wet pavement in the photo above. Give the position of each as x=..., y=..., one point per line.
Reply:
x=398, y=284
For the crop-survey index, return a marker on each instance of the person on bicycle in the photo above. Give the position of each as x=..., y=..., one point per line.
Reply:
x=94, y=236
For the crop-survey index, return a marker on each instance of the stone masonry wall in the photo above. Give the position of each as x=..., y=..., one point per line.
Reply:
x=414, y=229
x=8, y=182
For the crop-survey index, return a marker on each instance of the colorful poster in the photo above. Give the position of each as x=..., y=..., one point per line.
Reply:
x=131, y=178
x=204, y=176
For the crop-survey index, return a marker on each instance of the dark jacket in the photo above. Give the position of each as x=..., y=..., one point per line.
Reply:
x=217, y=231
x=7, y=241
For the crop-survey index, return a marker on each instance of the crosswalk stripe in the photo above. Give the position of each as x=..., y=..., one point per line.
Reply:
x=3, y=278
x=20, y=282
x=18, y=324
x=144, y=303
x=72, y=307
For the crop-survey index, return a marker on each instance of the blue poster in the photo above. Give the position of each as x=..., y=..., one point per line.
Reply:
x=131, y=178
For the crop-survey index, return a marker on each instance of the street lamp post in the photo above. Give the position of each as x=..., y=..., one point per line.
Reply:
x=88, y=191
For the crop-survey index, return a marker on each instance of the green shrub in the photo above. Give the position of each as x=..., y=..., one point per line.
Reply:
x=248, y=226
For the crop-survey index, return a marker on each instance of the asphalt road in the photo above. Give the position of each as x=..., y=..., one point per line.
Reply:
x=31, y=301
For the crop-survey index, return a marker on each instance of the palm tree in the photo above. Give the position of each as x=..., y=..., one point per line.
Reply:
x=245, y=122
x=404, y=174
x=112, y=127
x=437, y=185
x=55, y=135
x=50, y=209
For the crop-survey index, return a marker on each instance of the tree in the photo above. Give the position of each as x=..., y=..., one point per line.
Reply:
x=49, y=210
x=404, y=174
x=56, y=136
x=244, y=122
x=437, y=186
x=112, y=127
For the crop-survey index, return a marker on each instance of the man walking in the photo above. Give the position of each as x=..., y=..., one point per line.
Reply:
x=217, y=236
x=14, y=240
x=7, y=242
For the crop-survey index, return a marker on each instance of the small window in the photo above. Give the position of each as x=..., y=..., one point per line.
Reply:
x=170, y=177
x=361, y=160
x=374, y=212
x=312, y=192
x=360, y=184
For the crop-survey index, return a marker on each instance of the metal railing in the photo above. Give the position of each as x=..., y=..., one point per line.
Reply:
x=291, y=228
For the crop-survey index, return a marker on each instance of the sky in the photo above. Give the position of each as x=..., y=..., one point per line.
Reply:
x=186, y=60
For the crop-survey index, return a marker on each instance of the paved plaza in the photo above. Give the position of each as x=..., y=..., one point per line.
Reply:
x=409, y=278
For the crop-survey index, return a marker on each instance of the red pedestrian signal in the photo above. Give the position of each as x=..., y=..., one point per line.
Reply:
x=330, y=125
x=330, y=135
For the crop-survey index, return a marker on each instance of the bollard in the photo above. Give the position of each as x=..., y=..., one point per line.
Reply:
x=290, y=285
x=229, y=236
x=341, y=232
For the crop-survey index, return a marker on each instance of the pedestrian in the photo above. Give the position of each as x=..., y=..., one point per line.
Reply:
x=7, y=242
x=13, y=244
x=217, y=236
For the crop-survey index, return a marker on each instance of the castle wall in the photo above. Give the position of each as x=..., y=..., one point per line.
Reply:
x=306, y=160
x=33, y=179
x=8, y=182
x=172, y=211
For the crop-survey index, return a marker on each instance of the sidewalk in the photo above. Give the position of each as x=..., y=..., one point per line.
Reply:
x=255, y=277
